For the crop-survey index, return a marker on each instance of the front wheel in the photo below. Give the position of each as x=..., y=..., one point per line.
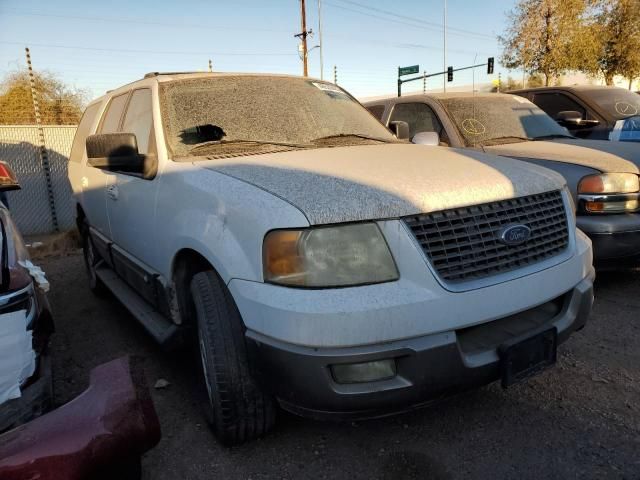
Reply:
x=91, y=259
x=238, y=408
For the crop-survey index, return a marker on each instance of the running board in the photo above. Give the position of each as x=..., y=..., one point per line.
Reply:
x=162, y=330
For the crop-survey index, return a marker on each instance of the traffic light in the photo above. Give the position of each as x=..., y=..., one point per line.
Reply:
x=449, y=74
x=490, y=65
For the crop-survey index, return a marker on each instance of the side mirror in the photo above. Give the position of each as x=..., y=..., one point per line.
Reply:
x=115, y=152
x=400, y=129
x=426, y=138
x=571, y=118
x=8, y=180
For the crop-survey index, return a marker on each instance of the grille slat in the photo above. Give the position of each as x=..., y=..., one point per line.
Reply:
x=462, y=243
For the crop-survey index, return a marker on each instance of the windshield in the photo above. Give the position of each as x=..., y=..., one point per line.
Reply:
x=618, y=102
x=499, y=119
x=239, y=114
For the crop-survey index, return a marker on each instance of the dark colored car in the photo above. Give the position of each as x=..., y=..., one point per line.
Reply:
x=588, y=111
x=601, y=175
x=25, y=324
x=99, y=435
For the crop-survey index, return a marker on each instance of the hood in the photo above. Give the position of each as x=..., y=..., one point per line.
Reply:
x=343, y=184
x=600, y=155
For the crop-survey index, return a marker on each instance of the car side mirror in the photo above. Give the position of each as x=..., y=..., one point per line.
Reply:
x=8, y=180
x=400, y=129
x=571, y=118
x=426, y=138
x=116, y=152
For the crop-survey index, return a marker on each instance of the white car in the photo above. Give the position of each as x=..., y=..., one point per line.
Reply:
x=326, y=265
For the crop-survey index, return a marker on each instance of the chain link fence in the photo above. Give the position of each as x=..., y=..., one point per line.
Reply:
x=32, y=207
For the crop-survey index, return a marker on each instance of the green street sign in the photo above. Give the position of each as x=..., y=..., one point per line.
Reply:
x=408, y=70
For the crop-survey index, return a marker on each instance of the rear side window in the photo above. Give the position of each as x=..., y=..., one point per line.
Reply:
x=111, y=119
x=84, y=128
x=419, y=116
x=138, y=119
x=377, y=111
x=554, y=103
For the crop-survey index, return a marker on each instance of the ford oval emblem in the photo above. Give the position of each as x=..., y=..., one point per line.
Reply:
x=514, y=234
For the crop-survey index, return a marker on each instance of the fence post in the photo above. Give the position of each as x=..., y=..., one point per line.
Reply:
x=44, y=155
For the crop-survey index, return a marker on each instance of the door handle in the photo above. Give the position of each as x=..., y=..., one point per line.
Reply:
x=112, y=191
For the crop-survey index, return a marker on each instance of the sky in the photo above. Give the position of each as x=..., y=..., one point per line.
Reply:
x=101, y=45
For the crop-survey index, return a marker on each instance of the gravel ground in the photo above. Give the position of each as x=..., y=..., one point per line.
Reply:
x=578, y=420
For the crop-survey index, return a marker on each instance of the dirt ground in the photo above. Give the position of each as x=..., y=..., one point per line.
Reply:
x=578, y=420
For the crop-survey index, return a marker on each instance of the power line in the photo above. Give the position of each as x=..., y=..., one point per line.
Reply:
x=420, y=24
x=191, y=52
x=132, y=21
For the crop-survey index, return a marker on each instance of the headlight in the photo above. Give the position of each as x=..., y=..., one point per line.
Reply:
x=609, y=193
x=13, y=275
x=609, y=183
x=328, y=256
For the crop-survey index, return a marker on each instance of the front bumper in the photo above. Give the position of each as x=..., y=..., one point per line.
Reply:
x=615, y=239
x=35, y=400
x=427, y=368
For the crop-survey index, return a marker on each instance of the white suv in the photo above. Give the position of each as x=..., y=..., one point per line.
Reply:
x=326, y=265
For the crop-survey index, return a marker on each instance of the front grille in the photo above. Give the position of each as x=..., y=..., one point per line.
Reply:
x=463, y=243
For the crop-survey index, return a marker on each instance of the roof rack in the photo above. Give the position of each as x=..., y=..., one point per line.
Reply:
x=155, y=74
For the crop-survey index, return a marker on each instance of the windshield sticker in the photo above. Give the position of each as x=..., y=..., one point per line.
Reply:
x=330, y=89
x=473, y=126
x=624, y=108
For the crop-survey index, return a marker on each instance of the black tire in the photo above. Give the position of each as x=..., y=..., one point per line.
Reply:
x=239, y=410
x=91, y=259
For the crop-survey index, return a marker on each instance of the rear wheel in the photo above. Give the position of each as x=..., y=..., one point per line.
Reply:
x=91, y=259
x=239, y=409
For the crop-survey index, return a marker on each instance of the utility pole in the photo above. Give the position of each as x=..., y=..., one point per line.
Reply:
x=424, y=81
x=303, y=38
x=320, y=38
x=210, y=66
x=335, y=74
x=444, y=46
x=44, y=155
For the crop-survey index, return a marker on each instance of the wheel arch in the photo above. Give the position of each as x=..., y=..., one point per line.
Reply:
x=187, y=262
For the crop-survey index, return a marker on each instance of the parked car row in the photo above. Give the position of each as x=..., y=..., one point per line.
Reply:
x=322, y=264
x=602, y=176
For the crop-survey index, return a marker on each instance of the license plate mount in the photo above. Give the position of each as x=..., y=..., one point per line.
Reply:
x=523, y=358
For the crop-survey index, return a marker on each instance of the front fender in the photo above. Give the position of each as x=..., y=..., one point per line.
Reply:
x=571, y=172
x=222, y=218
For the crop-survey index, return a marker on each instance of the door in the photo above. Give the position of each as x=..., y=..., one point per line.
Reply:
x=553, y=103
x=420, y=117
x=131, y=202
x=94, y=180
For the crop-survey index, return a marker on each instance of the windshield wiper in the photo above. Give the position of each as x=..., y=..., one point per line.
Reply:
x=505, y=139
x=347, y=135
x=552, y=136
x=254, y=142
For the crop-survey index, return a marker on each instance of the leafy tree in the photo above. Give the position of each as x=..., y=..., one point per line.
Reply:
x=616, y=27
x=548, y=37
x=59, y=103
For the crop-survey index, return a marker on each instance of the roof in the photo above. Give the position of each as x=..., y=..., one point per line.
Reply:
x=442, y=96
x=172, y=76
x=569, y=88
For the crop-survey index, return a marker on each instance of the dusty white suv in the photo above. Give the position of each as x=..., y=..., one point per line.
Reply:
x=326, y=265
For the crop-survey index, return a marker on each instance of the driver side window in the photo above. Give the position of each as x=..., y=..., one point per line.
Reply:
x=420, y=117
